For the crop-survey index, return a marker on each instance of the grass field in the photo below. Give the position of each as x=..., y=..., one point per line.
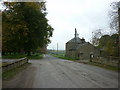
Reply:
x=17, y=56
x=109, y=67
x=64, y=57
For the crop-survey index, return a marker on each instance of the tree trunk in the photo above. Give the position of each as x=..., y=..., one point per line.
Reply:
x=28, y=53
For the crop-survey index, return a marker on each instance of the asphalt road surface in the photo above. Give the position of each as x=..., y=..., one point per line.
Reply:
x=51, y=72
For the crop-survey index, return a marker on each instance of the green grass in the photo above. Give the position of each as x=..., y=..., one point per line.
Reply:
x=109, y=67
x=38, y=56
x=14, y=56
x=0, y=64
x=5, y=63
x=11, y=73
x=17, y=56
x=64, y=57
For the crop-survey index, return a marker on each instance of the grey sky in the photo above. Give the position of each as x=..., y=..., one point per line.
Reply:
x=85, y=15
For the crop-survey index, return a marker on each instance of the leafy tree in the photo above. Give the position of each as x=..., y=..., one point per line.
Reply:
x=109, y=44
x=0, y=31
x=115, y=20
x=115, y=41
x=25, y=26
x=103, y=40
x=109, y=48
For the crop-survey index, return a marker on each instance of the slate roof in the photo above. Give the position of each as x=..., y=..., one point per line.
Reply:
x=73, y=40
x=83, y=44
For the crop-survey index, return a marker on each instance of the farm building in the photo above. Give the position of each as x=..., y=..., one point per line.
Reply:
x=79, y=48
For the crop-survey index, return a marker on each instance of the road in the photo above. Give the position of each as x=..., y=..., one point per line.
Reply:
x=51, y=72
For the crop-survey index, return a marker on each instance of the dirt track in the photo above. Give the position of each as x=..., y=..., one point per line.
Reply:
x=52, y=72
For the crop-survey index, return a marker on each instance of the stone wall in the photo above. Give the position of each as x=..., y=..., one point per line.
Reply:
x=71, y=49
x=15, y=64
x=113, y=61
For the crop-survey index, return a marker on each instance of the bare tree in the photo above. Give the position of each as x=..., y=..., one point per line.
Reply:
x=114, y=24
x=96, y=36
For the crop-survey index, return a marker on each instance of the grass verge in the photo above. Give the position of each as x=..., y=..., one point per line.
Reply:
x=11, y=73
x=13, y=56
x=64, y=57
x=109, y=67
x=4, y=64
x=38, y=56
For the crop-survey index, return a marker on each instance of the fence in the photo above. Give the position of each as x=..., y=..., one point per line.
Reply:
x=113, y=61
x=15, y=64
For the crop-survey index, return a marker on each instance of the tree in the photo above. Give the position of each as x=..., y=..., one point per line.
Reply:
x=115, y=20
x=0, y=31
x=114, y=24
x=115, y=41
x=109, y=44
x=95, y=37
x=103, y=40
x=25, y=26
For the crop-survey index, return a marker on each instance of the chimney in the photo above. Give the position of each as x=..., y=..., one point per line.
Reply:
x=82, y=40
x=76, y=35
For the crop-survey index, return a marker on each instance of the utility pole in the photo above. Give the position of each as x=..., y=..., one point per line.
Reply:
x=57, y=48
x=53, y=50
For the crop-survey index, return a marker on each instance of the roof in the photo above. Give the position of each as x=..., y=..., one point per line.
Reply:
x=84, y=44
x=73, y=40
x=81, y=45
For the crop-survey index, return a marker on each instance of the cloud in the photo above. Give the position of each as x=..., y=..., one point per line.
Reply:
x=85, y=15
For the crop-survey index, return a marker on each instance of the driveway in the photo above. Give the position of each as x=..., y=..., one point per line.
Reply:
x=51, y=72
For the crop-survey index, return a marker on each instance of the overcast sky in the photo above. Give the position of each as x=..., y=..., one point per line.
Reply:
x=84, y=15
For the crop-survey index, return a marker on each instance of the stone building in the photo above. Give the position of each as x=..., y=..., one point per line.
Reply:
x=79, y=48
